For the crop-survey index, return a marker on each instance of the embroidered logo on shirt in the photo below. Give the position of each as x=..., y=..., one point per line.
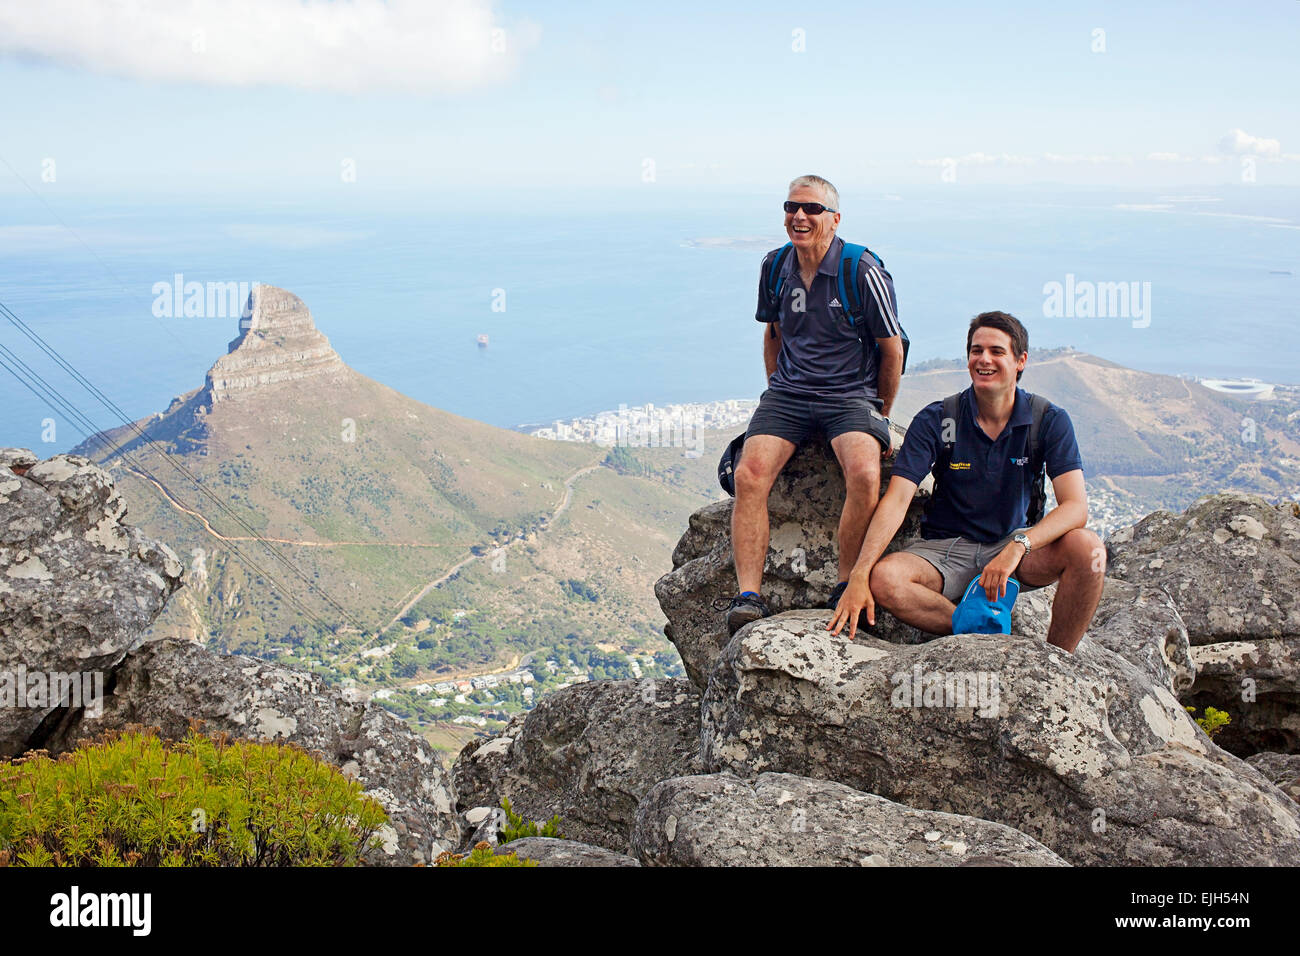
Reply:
x=835, y=304
x=959, y=465
x=1020, y=461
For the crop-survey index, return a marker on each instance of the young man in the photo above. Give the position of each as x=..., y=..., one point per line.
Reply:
x=821, y=378
x=976, y=522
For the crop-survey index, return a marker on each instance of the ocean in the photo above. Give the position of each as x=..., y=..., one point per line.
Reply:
x=594, y=303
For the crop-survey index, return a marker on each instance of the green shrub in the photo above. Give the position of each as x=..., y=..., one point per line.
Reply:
x=1213, y=721
x=131, y=799
x=517, y=827
x=482, y=855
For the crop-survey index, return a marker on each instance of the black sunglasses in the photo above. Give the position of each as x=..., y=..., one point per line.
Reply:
x=809, y=208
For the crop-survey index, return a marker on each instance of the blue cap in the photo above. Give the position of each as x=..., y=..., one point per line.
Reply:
x=976, y=614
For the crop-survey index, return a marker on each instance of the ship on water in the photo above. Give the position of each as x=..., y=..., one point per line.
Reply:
x=483, y=341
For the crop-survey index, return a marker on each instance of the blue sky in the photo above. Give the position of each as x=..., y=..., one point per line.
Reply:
x=581, y=95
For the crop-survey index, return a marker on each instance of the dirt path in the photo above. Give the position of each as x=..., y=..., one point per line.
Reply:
x=305, y=544
x=471, y=557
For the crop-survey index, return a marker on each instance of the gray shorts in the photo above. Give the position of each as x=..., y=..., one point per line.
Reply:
x=961, y=559
x=795, y=418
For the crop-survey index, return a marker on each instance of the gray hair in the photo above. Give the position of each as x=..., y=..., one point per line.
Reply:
x=831, y=194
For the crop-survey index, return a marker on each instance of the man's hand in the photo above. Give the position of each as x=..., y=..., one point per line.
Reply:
x=771, y=347
x=855, y=599
x=996, y=572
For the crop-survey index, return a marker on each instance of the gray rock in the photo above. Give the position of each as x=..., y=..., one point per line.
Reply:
x=17, y=460
x=1230, y=563
x=486, y=829
x=1282, y=769
x=548, y=851
x=802, y=560
x=1139, y=623
x=779, y=819
x=476, y=768
x=77, y=586
x=589, y=753
x=1081, y=751
x=1257, y=683
x=167, y=683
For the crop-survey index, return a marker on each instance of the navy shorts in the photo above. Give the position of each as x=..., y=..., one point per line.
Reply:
x=796, y=418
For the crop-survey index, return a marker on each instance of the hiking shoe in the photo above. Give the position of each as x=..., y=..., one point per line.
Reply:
x=833, y=601
x=744, y=609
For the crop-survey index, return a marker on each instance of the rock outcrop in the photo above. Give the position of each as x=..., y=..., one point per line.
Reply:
x=1081, y=751
x=278, y=344
x=547, y=851
x=786, y=745
x=1231, y=564
x=1282, y=769
x=1257, y=684
x=587, y=753
x=802, y=560
x=77, y=589
x=902, y=748
x=780, y=819
x=1139, y=623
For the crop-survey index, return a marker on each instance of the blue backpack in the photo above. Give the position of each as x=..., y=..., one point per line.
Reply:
x=851, y=255
x=856, y=309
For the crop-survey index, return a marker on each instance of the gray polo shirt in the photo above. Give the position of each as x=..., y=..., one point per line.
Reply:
x=821, y=354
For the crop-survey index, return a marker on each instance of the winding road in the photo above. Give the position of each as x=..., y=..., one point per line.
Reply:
x=559, y=510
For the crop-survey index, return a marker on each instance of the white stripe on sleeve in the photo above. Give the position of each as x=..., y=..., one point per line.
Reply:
x=880, y=291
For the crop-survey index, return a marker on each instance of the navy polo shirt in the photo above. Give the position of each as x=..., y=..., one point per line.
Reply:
x=984, y=493
x=821, y=354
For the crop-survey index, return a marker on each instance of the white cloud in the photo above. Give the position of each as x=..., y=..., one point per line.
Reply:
x=432, y=46
x=1170, y=158
x=1240, y=143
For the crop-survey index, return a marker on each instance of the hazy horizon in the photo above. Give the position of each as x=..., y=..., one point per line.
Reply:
x=421, y=173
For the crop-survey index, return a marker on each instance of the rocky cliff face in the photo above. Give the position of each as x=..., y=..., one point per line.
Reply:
x=900, y=749
x=279, y=344
x=787, y=745
x=78, y=587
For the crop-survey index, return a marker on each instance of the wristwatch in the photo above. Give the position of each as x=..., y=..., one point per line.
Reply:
x=1023, y=539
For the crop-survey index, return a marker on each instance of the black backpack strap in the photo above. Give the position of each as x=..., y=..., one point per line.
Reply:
x=1037, y=459
x=951, y=407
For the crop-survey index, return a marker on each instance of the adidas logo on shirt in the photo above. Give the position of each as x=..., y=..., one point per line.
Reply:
x=835, y=303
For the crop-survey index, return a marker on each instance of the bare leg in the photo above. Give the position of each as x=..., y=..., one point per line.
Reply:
x=1078, y=560
x=859, y=457
x=761, y=461
x=911, y=588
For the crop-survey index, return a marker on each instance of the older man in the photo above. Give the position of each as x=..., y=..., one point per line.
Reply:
x=824, y=377
x=978, y=522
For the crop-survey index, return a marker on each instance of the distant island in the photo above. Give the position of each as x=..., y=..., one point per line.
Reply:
x=757, y=243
